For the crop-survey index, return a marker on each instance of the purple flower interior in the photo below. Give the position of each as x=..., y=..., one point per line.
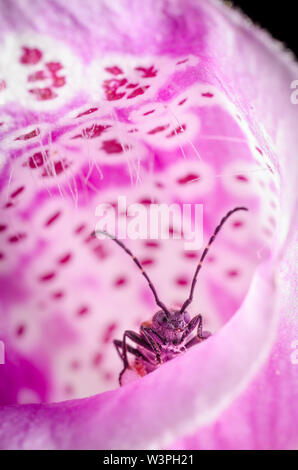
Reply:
x=156, y=131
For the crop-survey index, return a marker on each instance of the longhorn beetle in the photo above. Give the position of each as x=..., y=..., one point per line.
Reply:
x=167, y=334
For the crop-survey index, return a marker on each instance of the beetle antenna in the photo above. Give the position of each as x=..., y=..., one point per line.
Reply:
x=193, y=284
x=137, y=262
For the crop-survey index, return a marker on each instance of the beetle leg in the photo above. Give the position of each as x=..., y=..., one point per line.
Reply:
x=153, y=334
x=117, y=343
x=197, y=320
x=154, y=339
x=123, y=355
x=192, y=342
x=198, y=339
x=119, y=346
x=137, y=339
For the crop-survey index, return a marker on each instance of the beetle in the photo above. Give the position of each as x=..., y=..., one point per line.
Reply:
x=169, y=332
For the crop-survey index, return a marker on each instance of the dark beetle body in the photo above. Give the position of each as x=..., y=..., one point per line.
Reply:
x=170, y=332
x=161, y=340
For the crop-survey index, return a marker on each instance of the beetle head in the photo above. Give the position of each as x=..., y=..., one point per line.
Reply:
x=173, y=321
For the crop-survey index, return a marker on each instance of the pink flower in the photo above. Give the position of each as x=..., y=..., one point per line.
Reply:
x=175, y=102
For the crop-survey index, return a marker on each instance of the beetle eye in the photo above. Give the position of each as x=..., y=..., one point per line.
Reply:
x=162, y=319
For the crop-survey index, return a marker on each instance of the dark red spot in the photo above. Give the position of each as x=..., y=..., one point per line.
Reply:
x=97, y=359
x=17, y=238
x=90, y=238
x=131, y=85
x=259, y=150
x=58, y=82
x=59, y=167
x=190, y=254
x=115, y=70
x=146, y=201
x=242, y=178
x=137, y=92
x=149, y=112
x=188, y=178
x=120, y=281
x=20, y=330
x=29, y=135
x=233, y=273
x=91, y=132
x=108, y=333
x=83, y=310
x=112, y=146
x=178, y=130
x=113, y=96
x=1, y=255
x=147, y=261
x=39, y=75
x=64, y=259
x=88, y=111
x=17, y=192
x=151, y=244
x=100, y=252
x=148, y=72
x=52, y=219
x=182, y=102
x=47, y=277
x=30, y=56
x=36, y=160
x=79, y=228
x=237, y=224
x=181, y=281
x=111, y=88
x=3, y=227
x=56, y=168
x=181, y=61
x=58, y=295
x=8, y=205
x=158, y=129
x=43, y=94
x=54, y=67
x=207, y=94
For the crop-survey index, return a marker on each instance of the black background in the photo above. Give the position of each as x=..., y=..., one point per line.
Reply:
x=279, y=17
